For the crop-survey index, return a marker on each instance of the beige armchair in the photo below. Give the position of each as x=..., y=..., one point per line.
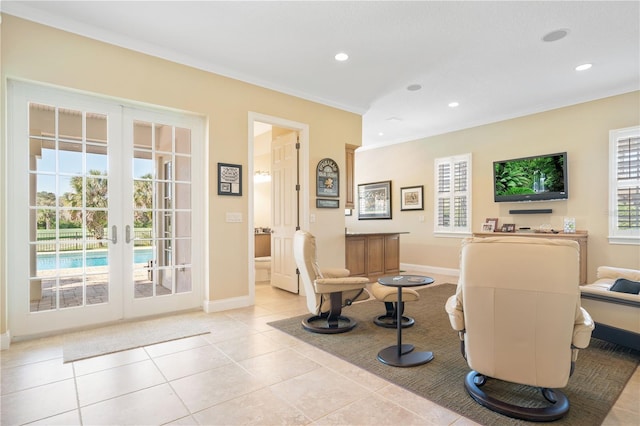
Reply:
x=327, y=290
x=518, y=314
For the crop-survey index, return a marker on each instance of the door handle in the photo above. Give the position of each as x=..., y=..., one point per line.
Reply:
x=114, y=232
x=127, y=234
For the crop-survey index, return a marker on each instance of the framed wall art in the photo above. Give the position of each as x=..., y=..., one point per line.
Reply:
x=229, y=179
x=411, y=198
x=374, y=200
x=327, y=178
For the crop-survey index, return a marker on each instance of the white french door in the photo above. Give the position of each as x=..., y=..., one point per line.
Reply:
x=100, y=210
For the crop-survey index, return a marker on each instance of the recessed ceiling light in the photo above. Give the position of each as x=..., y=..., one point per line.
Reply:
x=583, y=67
x=555, y=35
x=380, y=134
x=453, y=104
x=413, y=87
x=341, y=57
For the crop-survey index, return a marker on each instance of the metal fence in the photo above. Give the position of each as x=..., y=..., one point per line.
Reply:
x=71, y=239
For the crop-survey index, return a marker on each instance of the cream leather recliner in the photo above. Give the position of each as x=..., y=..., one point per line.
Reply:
x=327, y=290
x=518, y=314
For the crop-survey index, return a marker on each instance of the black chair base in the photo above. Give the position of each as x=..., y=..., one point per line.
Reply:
x=324, y=325
x=559, y=408
x=390, y=321
x=389, y=318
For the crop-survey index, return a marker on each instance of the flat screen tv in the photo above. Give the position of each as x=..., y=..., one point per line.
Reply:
x=538, y=178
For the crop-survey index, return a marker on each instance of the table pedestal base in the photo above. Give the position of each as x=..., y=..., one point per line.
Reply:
x=407, y=357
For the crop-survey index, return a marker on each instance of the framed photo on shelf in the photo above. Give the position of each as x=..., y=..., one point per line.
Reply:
x=229, y=179
x=508, y=227
x=411, y=198
x=488, y=227
x=374, y=200
x=493, y=220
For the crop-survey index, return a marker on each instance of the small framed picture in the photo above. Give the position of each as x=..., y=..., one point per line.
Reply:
x=327, y=204
x=229, y=179
x=508, y=227
x=411, y=198
x=493, y=220
x=488, y=227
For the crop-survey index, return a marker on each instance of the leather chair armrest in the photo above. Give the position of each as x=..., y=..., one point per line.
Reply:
x=335, y=272
x=582, y=329
x=331, y=285
x=456, y=315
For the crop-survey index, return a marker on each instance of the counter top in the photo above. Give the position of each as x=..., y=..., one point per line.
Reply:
x=359, y=234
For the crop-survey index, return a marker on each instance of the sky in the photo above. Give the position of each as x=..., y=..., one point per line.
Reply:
x=70, y=164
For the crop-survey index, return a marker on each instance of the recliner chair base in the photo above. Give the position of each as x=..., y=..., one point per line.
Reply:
x=388, y=321
x=389, y=318
x=325, y=325
x=559, y=408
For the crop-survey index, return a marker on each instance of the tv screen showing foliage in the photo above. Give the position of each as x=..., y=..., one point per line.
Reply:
x=538, y=178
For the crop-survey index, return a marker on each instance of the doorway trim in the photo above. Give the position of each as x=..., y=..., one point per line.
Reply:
x=303, y=172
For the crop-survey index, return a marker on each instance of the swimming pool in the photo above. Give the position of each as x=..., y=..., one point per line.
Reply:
x=93, y=258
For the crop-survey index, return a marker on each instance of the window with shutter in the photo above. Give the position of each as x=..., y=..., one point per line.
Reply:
x=453, y=196
x=624, y=189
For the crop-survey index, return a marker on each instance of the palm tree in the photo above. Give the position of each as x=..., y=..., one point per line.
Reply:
x=46, y=216
x=95, y=195
x=143, y=201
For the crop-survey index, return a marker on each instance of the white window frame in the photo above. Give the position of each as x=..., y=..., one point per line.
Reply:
x=616, y=235
x=451, y=230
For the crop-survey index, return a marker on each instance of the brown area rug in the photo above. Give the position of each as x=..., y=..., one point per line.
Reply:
x=602, y=370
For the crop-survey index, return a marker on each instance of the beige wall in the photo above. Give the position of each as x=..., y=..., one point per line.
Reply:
x=580, y=130
x=35, y=52
x=3, y=204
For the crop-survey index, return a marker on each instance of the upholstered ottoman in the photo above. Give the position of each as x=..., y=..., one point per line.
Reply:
x=616, y=313
x=389, y=295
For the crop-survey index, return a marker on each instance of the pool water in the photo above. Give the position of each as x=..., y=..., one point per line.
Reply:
x=93, y=258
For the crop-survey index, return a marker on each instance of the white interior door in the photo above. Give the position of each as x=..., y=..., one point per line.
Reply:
x=284, y=204
x=77, y=235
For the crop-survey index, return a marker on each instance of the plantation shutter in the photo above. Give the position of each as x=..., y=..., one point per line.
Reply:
x=628, y=177
x=453, y=194
x=624, y=197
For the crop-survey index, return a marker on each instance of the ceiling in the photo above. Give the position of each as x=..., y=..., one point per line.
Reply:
x=487, y=56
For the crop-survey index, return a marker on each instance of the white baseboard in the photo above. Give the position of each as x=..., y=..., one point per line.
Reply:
x=5, y=340
x=430, y=269
x=210, y=306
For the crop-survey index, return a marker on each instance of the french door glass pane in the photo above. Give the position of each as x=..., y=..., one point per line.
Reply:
x=161, y=199
x=68, y=214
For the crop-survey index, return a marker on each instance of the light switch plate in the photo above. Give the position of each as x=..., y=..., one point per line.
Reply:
x=234, y=217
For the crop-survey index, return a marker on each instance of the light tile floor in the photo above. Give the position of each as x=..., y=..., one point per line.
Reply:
x=244, y=372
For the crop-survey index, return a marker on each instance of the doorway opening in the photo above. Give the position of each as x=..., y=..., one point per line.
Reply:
x=279, y=196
